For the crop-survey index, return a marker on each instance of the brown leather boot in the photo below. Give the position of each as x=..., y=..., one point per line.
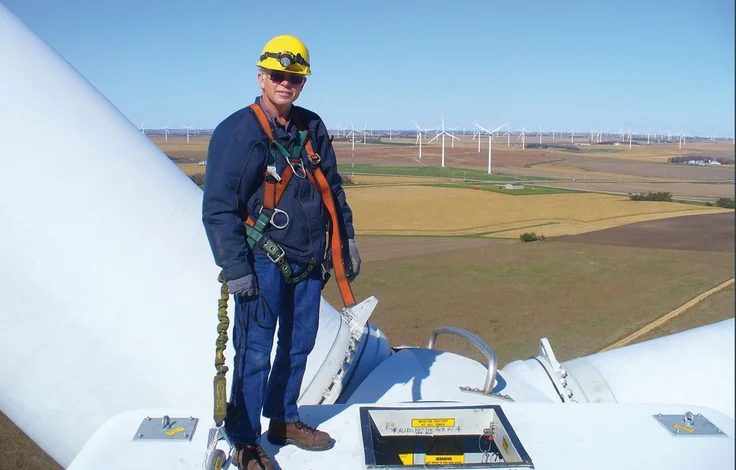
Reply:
x=252, y=457
x=299, y=434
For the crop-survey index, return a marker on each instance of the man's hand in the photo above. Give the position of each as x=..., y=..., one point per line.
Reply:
x=354, y=260
x=245, y=285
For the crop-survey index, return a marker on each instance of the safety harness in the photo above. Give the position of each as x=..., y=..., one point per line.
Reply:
x=274, y=186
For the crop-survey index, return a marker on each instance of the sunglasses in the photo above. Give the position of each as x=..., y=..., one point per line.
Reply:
x=279, y=77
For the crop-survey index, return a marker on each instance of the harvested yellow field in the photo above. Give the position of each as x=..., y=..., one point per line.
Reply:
x=420, y=210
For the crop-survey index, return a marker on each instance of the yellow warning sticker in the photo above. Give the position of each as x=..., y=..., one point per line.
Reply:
x=505, y=444
x=175, y=431
x=682, y=427
x=407, y=459
x=433, y=423
x=443, y=459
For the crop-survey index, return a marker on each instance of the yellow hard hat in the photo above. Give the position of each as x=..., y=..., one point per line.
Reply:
x=285, y=53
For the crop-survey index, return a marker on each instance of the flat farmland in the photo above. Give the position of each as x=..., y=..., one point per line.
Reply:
x=448, y=211
x=178, y=149
x=690, y=191
x=592, y=168
x=607, y=167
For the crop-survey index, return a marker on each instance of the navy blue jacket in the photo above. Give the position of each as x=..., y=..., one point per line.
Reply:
x=236, y=164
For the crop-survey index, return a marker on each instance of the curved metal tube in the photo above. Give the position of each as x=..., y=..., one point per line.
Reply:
x=478, y=343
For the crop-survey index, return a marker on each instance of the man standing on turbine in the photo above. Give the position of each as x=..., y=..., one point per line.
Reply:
x=276, y=217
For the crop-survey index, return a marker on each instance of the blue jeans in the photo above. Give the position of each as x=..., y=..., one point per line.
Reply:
x=297, y=309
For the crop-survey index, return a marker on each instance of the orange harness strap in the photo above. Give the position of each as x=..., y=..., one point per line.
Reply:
x=273, y=192
x=320, y=182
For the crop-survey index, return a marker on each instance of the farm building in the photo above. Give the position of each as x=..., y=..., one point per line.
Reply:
x=514, y=186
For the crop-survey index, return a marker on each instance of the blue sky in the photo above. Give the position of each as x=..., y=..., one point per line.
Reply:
x=654, y=66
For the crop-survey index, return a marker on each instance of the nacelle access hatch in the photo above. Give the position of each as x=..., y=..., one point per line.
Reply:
x=451, y=437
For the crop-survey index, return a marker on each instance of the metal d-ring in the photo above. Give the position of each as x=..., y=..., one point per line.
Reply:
x=273, y=217
x=300, y=166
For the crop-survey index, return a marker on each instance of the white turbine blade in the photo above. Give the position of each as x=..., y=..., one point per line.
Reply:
x=498, y=128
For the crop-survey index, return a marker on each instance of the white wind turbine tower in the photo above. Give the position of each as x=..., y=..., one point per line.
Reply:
x=419, y=140
x=452, y=133
x=166, y=133
x=508, y=136
x=352, y=135
x=540, y=135
x=522, y=136
x=443, y=133
x=553, y=134
x=365, y=134
x=490, y=140
x=188, y=129
x=572, y=136
x=352, y=138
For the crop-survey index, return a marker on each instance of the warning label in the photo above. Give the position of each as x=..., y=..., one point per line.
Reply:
x=433, y=423
x=443, y=459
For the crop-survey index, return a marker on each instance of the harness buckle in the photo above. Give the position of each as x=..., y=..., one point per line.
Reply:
x=278, y=259
x=316, y=160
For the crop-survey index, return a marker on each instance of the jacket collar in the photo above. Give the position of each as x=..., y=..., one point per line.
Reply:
x=272, y=118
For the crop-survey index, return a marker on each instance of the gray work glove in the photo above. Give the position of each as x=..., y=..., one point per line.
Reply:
x=354, y=260
x=245, y=285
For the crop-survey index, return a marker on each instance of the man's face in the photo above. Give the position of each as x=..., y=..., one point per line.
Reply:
x=281, y=88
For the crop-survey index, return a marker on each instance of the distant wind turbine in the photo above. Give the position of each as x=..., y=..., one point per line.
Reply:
x=490, y=140
x=443, y=133
x=188, y=128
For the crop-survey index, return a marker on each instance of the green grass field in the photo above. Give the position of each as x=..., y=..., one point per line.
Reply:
x=528, y=190
x=427, y=171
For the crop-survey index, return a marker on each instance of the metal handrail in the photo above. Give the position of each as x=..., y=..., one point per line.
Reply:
x=478, y=343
